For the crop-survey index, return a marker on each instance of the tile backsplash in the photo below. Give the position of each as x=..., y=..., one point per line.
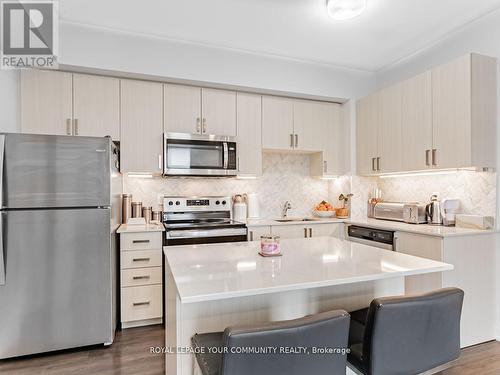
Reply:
x=285, y=177
x=476, y=190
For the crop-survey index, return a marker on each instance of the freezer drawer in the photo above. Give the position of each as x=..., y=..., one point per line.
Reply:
x=57, y=291
x=42, y=171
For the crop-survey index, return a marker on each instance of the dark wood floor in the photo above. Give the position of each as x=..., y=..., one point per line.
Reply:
x=130, y=354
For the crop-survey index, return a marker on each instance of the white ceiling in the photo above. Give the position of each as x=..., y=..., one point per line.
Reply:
x=388, y=31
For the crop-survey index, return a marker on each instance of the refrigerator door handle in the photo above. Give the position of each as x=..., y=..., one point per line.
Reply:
x=2, y=155
x=2, y=256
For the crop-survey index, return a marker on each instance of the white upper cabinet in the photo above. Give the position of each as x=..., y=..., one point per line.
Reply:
x=389, y=130
x=46, y=102
x=442, y=119
x=310, y=119
x=182, y=109
x=277, y=123
x=219, y=112
x=464, y=113
x=249, y=118
x=196, y=110
x=96, y=106
x=416, y=123
x=62, y=103
x=141, y=145
x=366, y=134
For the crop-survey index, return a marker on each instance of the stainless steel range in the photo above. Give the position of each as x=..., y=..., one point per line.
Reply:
x=198, y=220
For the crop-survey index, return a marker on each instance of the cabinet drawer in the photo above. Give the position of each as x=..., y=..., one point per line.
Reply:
x=141, y=276
x=141, y=303
x=140, y=241
x=141, y=258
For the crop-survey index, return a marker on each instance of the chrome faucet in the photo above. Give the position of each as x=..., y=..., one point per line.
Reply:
x=287, y=206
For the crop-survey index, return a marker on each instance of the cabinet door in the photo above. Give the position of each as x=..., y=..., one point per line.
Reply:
x=46, y=102
x=290, y=231
x=424, y=247
x=219, y=112
x=416, y=123
x=451, y=113
x=332, y=137
x=277, y=123
x=96, y=106
x=141, y=126
x=389, y=130
x=366, y=134
x=182, y=109
x=249, y=134
x=254, y=233
x=322, y=230
x=309, y=122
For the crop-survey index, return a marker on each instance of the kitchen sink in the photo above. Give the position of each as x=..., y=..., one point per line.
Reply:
x=296, y=219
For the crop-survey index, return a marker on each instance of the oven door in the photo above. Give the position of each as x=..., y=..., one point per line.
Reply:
x=199, y=155
x=203, y=236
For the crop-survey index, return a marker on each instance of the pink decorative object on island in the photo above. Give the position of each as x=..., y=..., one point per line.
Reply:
x=270, y=245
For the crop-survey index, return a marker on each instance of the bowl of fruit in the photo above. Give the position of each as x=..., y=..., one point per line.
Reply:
x=324, y=209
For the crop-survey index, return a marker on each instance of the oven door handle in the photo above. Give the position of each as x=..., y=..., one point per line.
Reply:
x=226, y=155
x=196, y=233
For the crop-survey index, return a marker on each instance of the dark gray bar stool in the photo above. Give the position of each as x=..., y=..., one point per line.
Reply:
x=325, y=330
x=406, y=335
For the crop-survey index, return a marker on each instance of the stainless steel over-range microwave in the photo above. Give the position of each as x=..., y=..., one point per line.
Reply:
x=199, y=155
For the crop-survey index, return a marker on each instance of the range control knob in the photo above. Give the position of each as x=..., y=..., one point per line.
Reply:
x=177, y=203
x=217, y=202
x=223, y=202
x=170, y=203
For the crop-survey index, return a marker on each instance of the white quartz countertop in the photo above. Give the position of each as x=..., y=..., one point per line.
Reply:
x=151, y=227
x=425, y=229
x=219, y=271
x=274, y=222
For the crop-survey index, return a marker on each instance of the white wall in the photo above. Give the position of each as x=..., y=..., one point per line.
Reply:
x=481, y=36
x=125, y=52
x=9, y=101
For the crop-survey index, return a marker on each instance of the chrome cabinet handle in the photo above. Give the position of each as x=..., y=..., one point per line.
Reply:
x=141, y=277
x=204, y=127
x=251, y=235
x=141, y=259
x=310, y=232
x=434, y=156
x=75, y=130
x=291, y=140
x=3, y=271
x=141, y=303
x=198, y=125
x=159, y=162
x=296, y=140
x=140, y=241
x=373, y=164
x=378, y=163
x=427, y=157
x=68, y=126
x=325, y=166
x=238, y=164
x=305, y=232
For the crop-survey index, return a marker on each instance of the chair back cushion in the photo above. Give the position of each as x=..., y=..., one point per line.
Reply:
x=413, y=334
x=286, y=348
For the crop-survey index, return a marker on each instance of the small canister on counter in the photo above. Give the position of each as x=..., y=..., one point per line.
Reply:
x=157, y=215
x=136, y=209
x=270, y=245
x=126, y=207
x=146, y=214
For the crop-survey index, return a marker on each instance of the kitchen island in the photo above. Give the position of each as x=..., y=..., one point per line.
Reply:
x=210, y=287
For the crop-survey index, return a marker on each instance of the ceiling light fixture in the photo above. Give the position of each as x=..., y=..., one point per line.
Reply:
x=345, y=9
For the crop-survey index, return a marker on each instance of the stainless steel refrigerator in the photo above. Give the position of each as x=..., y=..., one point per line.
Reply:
x=59, y=200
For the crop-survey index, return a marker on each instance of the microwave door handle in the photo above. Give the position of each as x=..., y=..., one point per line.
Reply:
x=226, y=155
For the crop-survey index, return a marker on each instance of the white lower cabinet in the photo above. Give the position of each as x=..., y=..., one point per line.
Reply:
x=474, y=272
x=141, y=279
x=306, y=230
